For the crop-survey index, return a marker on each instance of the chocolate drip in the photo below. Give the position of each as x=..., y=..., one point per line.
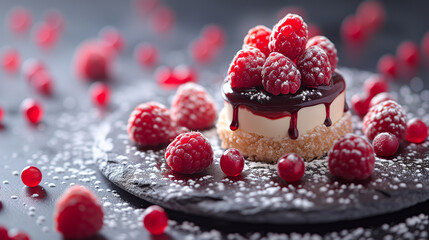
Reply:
x=293, y=130
x=328, y=121
x=234, y=122
x=346, y=106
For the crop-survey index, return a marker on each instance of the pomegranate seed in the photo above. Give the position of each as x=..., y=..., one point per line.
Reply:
x=4, y=233
x=42, y=81
x=113, y=38
x=313, y=30
x=417, y=131
x=388, y=66
x=425, y=45
x=214, y=35
x=45, y=35
x=155, y=220
x=10, y=60
x=31, y=176
x=352, y=30
x=385, y=144
x=375, y=85
x=291, y=167
x=232, y=162
x=19, y=20
x=54, y=18
x=20, y=236
x=379, y=98
x=100, y=94
x=360, y=104
x=408, y=54
x=162, y=20
x=146, y=55
x=32, y=110
x=31, y=67
x=372, y=15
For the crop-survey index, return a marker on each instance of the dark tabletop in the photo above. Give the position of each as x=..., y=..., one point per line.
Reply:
x=61, y=146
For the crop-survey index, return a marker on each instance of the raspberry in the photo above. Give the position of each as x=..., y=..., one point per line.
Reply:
x=313, y=30
x=417, y=131
x=258, y=37
x=193, y=107
x=43, y=82
x=289, y=36
x=150, y=124
x=20, y=236
x=184, y=74
x=113, y=38
x=146, y=55
x=45, y=35
x=291, y=167
x=172, y=78
x=388, y=66
x=360, y=104
x=280, y=75
x=326, y=45
x=246, y=67
x=92, y=60
x=408, y=54
x=32, y=110
x=10, y=60
x=31, y=176
x=155, y=220
x=353, y=31
x=19, y=20
x=4, y=233
x=385, y=144
x=375, y=85
x=381, y=97
x=351, y=157
x=100, y=94
x=162, y=19
x=387, y=116
x=371, y=14
x=314, y=67
x=78, y=213
x=232, y=162
x=31, y=67
x=214, y=36
x=189, y=153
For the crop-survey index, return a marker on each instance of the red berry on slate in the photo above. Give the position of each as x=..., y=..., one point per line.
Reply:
x=313, y=30
x=388, y=66
x=43, y=82
x=78, y=213
x=31, y=176
x=351, y=157
x=10, y=60
x=381, y=97
x=387, y=116
x=19, y=20
x=189, y=153
x=385, y=144
x=360, y=104
x=246, y=67
x=4, y=233
x=92, y=60
x=113, y=38
x=352, y=30
x=45, y=35
x=375, y=85
x=214, y=35
x=289, y=36
x=55, y=19
x=31, y=67
x=146, y=55
x=258, y=37
x=425, y=45
x=371, y=14
x=417, y=131
x=280, y=75
x=232, y=162
x=408, y=54
x=100, y=94
x=162, y=19
x=20, y=236
x=291, y=167
x=184, y=74
x=314, y=67
x=32, y=110
x=326, y=45
x=155, y=220
x=172, y=78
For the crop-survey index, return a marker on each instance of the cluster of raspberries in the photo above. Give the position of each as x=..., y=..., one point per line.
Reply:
x=283, y=59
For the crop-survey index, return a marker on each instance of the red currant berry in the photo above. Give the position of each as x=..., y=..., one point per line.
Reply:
x=408, y=54
x=375, y=85
x=19, y=20
x=113, y=38
x=55, y=19
x=388, y=66
x=20, y=236
x=155, y=220
x=45, y=35
x=385, y=144
x=417, y=131
x=291, y=167
x=100, y=94
x=360, y=104
x=352, y=30
x=232, y=162
x=10, y=60
x=32, y=110
x=146, y=55
x=4, y=234
x=43, y=82
x=31, y=176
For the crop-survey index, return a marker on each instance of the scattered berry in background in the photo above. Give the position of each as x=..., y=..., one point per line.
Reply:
x=388, y=66
x=360, y=104
x=280, y=75
x=372, y=15
x=32, y=110
x=408, y=55
x=246, y=68
x=100, y=94
x=314, y=67
x=113, y=38
x=417, y=131
x=43, y=82
x=169, y=78
x=31, y=176
x=147, y=55
x=385, y=144
x=10, y=60
x=208, y=44
x=19, y=20
x=45, y=35
x=93, y=60
x=155, y=220
x=20, y=236
x=31, y=67
x=375, y=85
x=291, y=167
x=232, y=162
x=214, y=35
x=78, y=213
x=352, y=31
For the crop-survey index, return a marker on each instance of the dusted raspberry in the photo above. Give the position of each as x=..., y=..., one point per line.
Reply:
x=388, y=66
x=381, y=97
x=417, y=131
x=31, y=176
x=246, y=67
x=360, y=104
x=113, y=38
x=93, y=60
x=189, y=153
x=78, y=213
x=375, y=85
x=193, y=107
x=146, y=55
x=385, y=144
x=10, y=60
x=100, y=94
x=31, y=67
x=326, y=45
x=214, y=35
x=291, y=167
x=408, y=54
x=289, y=36
x=372, y=15
x=19, y=236
x=32, y=110
x=232, y=162
x=280, y=75
x=45, y=35
x=258, y=37
x=150, y=124
x=351, y=157
x=43, y=82
x=314, y=67
x=19, y=20
x=353, y=31
x=387, y=116
x=155, y=220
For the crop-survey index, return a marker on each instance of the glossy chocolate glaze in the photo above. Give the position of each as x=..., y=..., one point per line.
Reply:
x=263, y=103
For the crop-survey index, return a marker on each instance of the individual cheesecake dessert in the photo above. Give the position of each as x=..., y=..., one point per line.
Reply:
x=289, y=101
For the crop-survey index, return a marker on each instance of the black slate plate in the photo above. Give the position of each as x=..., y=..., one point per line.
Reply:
x=259, y=195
